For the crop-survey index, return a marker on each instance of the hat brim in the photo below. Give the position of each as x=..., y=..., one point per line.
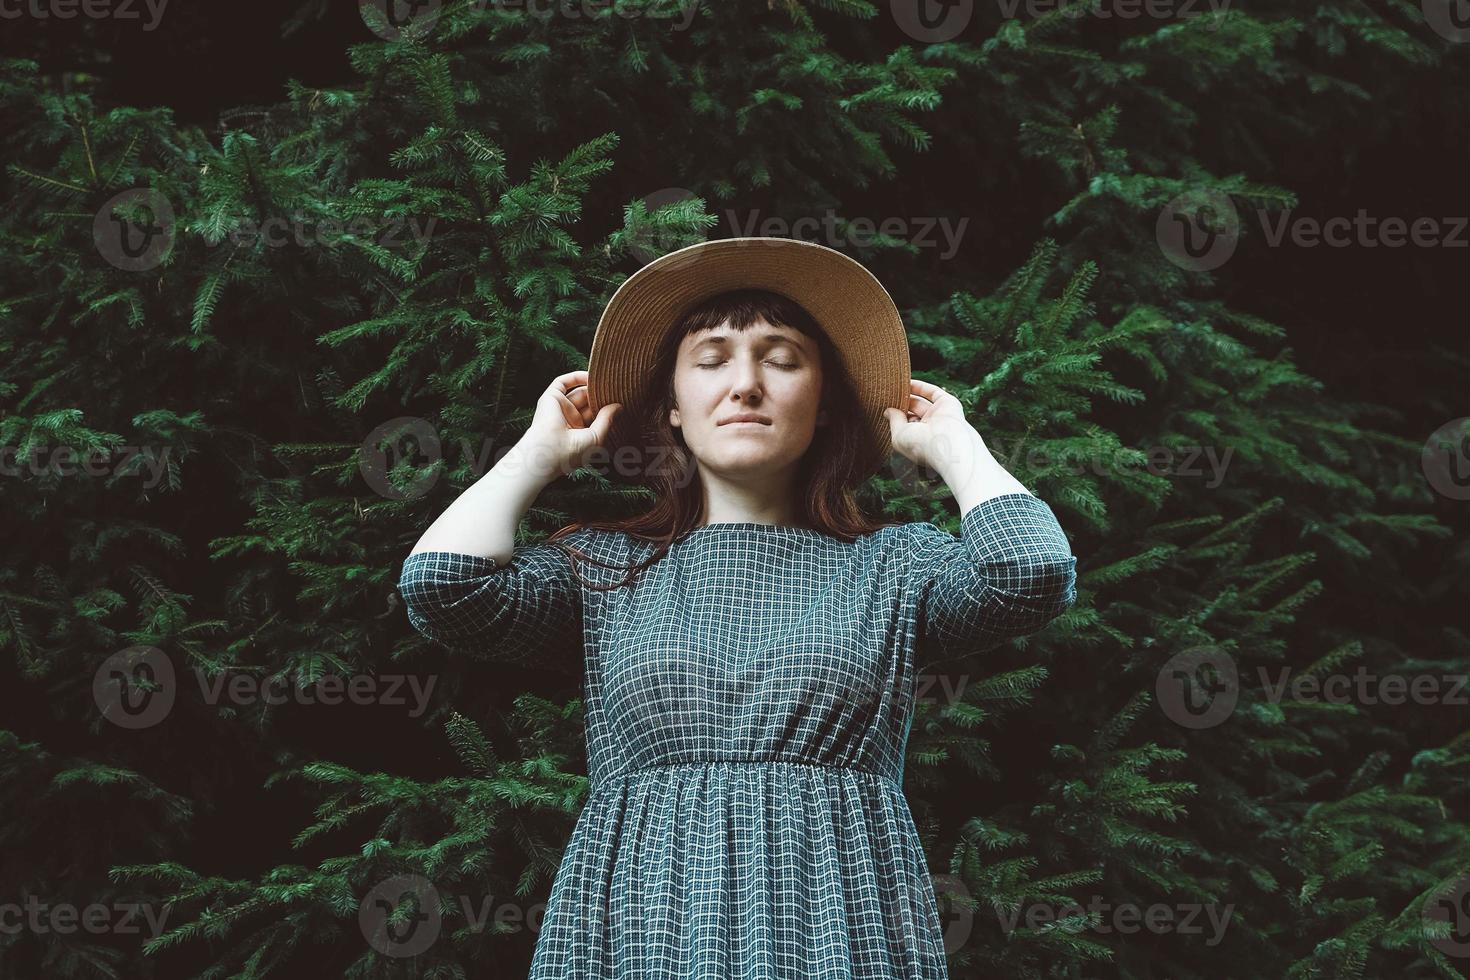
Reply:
x=848, y=302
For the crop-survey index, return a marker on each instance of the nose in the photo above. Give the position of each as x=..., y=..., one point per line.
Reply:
x=746, y=386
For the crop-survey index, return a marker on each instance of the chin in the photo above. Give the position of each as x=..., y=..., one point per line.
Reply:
x=746, y=464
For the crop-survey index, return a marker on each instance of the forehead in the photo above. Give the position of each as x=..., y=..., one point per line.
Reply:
x=758, y=330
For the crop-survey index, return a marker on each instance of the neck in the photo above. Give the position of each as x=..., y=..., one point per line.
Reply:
x=762, y=500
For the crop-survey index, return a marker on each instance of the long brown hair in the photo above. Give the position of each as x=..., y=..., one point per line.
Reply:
x=826, y=472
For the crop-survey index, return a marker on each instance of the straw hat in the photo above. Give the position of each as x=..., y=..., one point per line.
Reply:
x=847, y=301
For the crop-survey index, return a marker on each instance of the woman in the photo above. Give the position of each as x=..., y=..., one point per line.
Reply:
x=751, y=643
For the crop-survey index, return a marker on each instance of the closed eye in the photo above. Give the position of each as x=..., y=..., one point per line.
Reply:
x=773, y=363
x=780, y=364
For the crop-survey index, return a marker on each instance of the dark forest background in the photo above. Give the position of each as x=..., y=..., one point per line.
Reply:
x=555, y=155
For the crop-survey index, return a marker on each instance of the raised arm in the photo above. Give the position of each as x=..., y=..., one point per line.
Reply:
x=483, y=519
x=1009, y=573
x=465, y=584
x=516, y=612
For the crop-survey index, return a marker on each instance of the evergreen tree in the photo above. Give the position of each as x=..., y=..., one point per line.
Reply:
x=413, y=256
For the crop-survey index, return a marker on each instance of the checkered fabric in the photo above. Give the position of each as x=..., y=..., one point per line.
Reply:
x=748, y=702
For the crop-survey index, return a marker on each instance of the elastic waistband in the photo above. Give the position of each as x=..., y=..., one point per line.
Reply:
x=606, y=782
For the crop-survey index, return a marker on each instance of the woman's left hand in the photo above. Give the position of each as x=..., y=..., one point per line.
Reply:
x=932, y=428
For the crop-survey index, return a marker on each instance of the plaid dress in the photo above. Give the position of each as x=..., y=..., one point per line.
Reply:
x=748, y=701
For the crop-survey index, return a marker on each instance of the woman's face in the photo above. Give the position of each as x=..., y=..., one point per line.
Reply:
x=763, y=370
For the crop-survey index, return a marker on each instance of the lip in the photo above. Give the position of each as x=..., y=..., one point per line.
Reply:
x=746, y=418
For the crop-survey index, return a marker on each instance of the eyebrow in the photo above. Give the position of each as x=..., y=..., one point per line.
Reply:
x=769, y=338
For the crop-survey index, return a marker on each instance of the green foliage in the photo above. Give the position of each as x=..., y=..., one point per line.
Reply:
x=457, y=218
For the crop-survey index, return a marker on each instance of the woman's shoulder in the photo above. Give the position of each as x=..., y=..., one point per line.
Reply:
x=902, y=548
x=904, y=533
x=599, y=541
x=599, y=554
x=986, y=525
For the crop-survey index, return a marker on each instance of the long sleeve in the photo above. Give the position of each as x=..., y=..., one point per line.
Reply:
x=516, y=612
x=1010, y=573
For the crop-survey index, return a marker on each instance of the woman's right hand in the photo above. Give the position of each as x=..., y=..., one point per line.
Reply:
x=563, y=431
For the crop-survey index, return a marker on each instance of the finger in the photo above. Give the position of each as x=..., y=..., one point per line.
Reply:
x=896, y=420
x=603, y=422
x=575, y=417
x=930, y=391
x=572, y=379
x=920, y=406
